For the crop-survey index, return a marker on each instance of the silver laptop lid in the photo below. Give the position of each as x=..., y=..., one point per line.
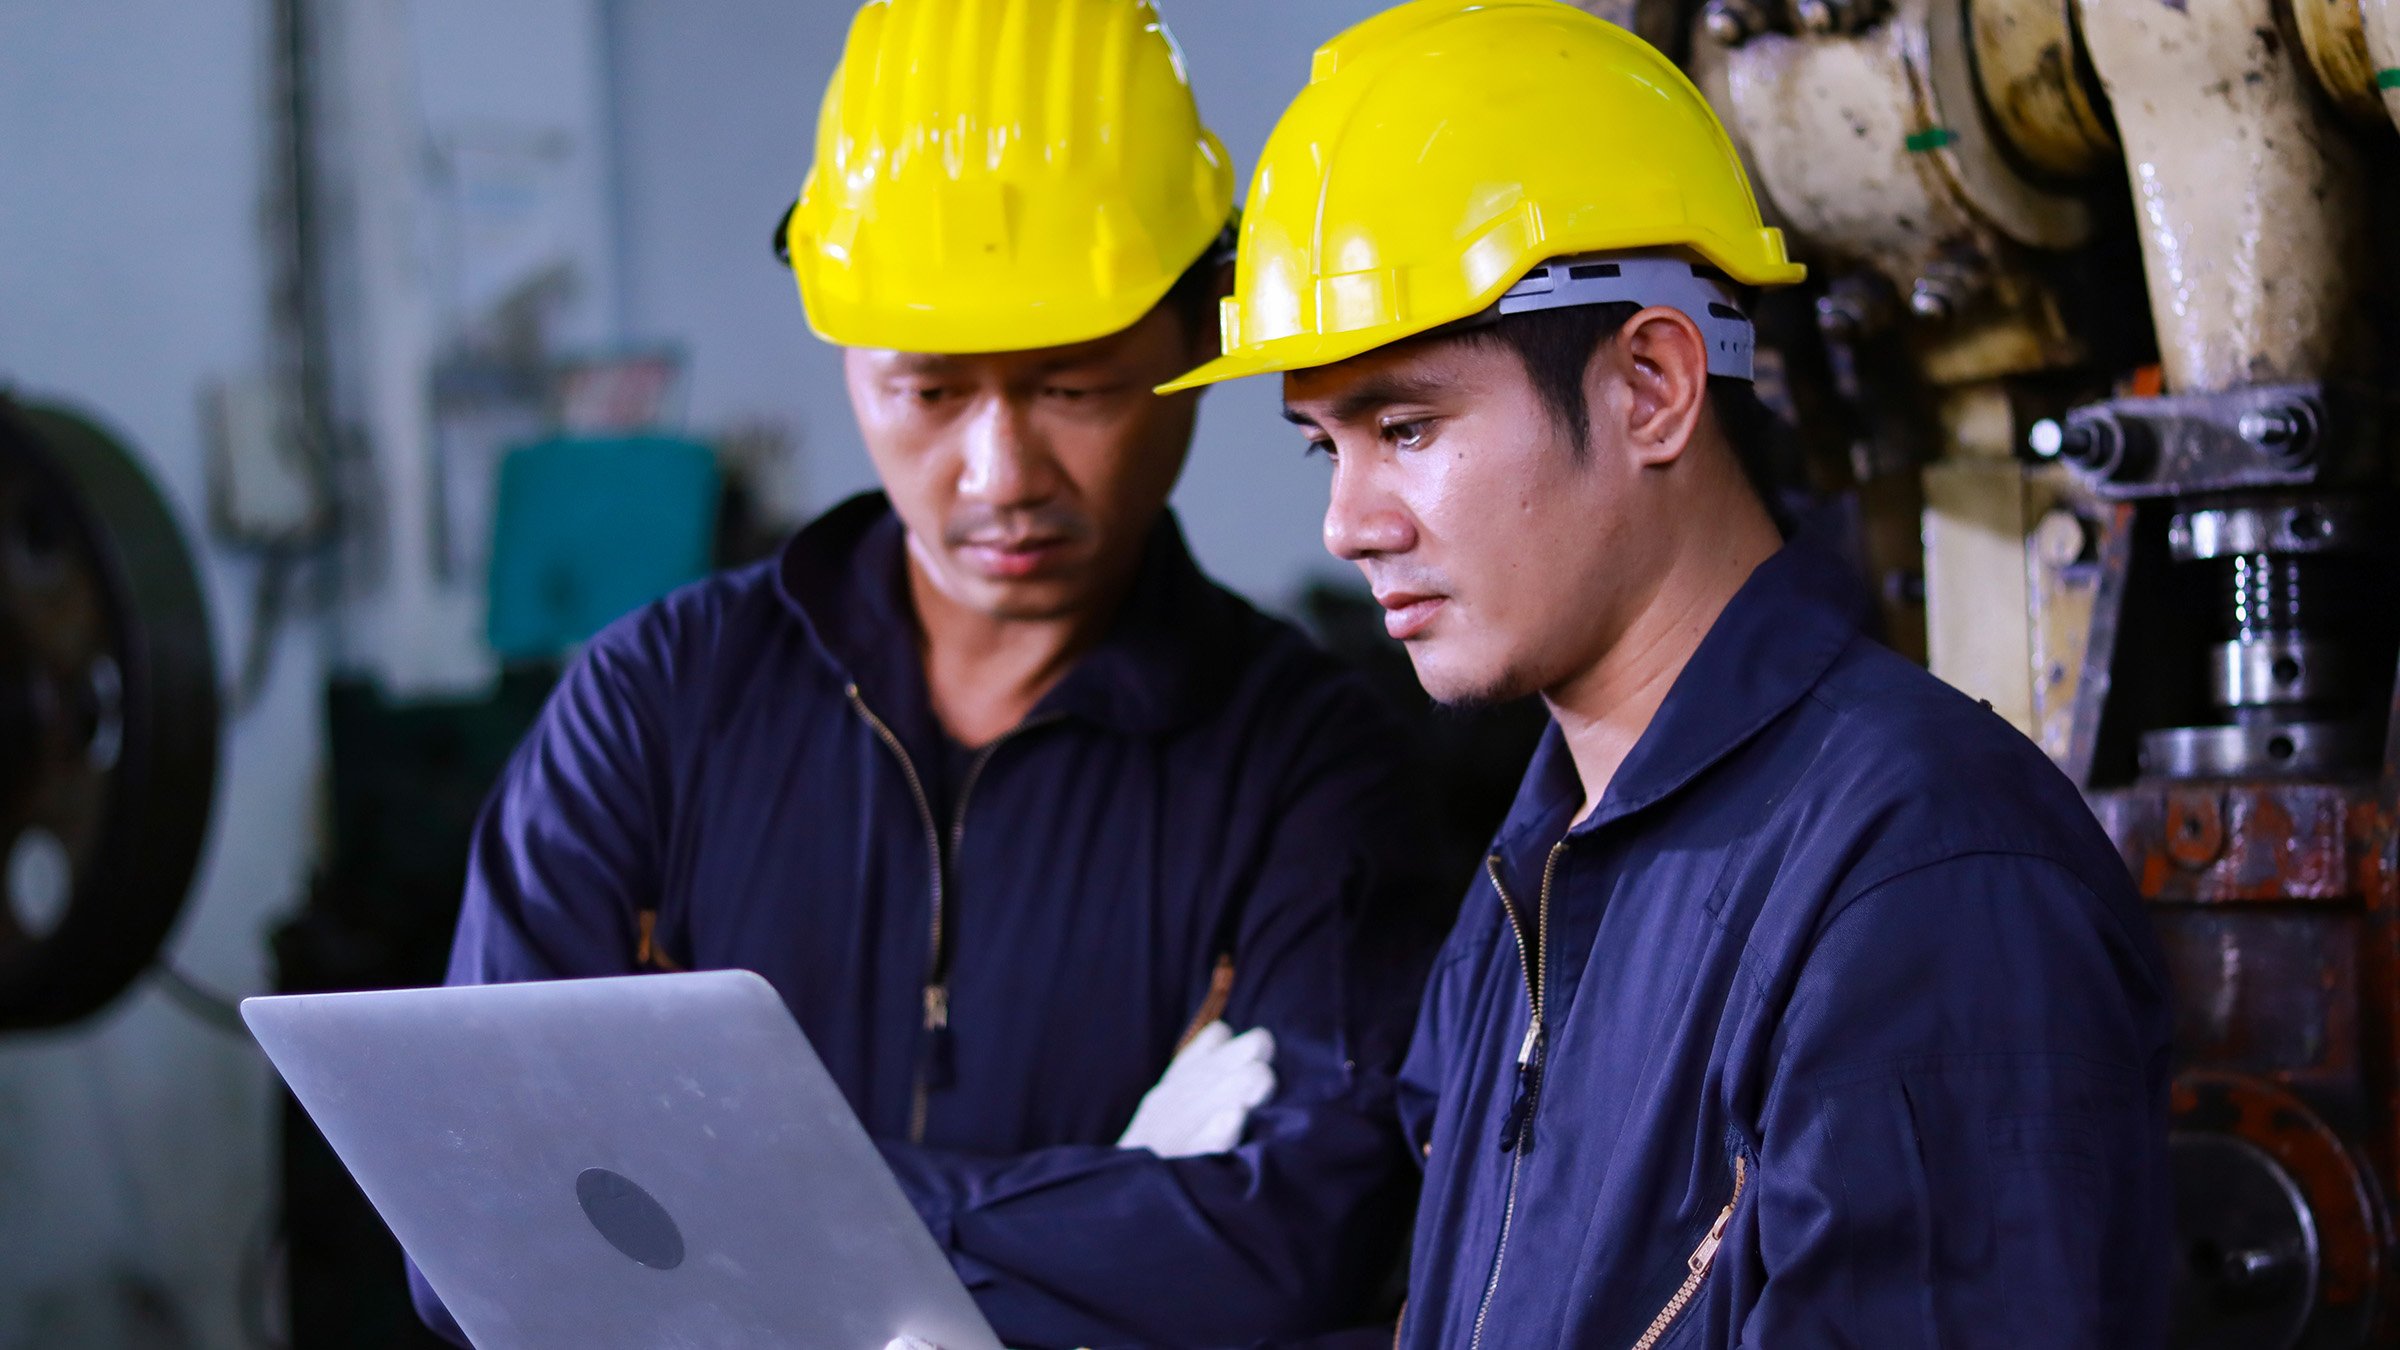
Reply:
x=651, y=1161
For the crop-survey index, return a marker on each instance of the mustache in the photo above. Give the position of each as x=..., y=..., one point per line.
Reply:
x=1386, y=578
x=1005, y=526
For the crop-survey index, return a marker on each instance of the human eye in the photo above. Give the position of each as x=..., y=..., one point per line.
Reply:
x=1407, y=433
x=1082, y=391
x=1316, y=446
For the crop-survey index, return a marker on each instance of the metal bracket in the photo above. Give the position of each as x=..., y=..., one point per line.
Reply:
x=2287, y=435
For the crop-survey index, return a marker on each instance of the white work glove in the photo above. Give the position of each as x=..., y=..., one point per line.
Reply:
x=1205, y=1097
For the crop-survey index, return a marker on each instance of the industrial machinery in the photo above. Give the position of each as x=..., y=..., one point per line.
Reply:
x=2157, y=536
x=108, y=718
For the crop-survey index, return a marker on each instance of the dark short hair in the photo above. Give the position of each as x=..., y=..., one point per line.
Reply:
x=1193, y=297
x=1556, y=346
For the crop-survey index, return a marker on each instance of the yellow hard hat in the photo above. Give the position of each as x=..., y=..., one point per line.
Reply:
x=998, y=175
x=1444, y=149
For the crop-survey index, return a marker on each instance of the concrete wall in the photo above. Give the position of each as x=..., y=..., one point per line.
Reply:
x=134, y=1151
x=715, y=114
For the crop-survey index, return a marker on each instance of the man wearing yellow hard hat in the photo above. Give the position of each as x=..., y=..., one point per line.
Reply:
x=1801, y=1002
x=1091, y=886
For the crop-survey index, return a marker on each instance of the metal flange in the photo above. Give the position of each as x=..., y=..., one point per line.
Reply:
x=2036, y=85
x=2309, y=524
x=2262, y=749
x=2276, y=670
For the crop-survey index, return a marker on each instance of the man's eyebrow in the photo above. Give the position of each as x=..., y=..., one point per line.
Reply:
x=1074, y=361
x=1377, y=391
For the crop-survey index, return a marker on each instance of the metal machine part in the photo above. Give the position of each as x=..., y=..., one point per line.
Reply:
x=2247, y=191
x=1935, y=232
x=1872, y=142
x=2039, y=87
x=2279, y=1249
x=2250, y=1266
x=2200, y=558
x=1734, y=22
x=2276, y=669
x=2278, y=673
x=2257, y=436
x=108, y=718
x=2258, y=750
x=2258, y=822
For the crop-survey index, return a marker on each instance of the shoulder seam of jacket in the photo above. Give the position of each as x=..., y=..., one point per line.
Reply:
x=1842, y=908
x=1849, y=899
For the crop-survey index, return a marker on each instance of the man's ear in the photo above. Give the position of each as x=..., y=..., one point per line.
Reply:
x=1661, y=362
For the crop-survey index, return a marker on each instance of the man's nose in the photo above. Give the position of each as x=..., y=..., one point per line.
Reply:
x=1363, y=519
x=1006, y=463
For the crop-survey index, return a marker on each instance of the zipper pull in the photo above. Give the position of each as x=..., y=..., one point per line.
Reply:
x=1516, y=1131
x=1706, y=1253
x=941, y=1062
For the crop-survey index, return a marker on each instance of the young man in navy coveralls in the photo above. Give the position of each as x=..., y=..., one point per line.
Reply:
x=1801, y=1003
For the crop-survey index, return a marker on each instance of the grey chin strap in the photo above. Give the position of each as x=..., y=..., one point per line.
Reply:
x=1643, y=279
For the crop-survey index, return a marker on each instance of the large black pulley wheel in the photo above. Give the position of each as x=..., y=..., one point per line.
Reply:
x=2281, y=1240
x=108, y=718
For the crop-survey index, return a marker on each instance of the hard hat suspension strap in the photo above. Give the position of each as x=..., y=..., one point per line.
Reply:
x=1644, y=279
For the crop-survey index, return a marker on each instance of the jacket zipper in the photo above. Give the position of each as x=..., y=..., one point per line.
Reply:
x=1516, y=1132
x=939, y=1067
x=936, y=1061
x=937, y=995
x=1697, y=1264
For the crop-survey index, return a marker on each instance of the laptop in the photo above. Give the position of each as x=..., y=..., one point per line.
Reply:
x=656, y=1162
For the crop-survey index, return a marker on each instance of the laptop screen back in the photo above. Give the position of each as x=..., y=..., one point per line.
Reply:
x=653, y=1161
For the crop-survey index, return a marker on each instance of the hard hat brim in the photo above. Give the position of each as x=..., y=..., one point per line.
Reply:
x=966, y=330
x=1305, y=351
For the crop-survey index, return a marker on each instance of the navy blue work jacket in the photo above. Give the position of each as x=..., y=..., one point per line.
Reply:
x=1851, y=1030
x=997, y=952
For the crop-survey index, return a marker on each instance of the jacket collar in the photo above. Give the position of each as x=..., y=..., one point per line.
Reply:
x=1165, y=660
x=1774, y=641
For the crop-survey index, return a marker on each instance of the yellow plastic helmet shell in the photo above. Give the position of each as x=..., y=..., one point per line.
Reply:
x=1445, y=148
x=1000, y=175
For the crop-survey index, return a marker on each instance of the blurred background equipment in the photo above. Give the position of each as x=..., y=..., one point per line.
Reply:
x=587, y=530
x=2164, y=550
x=108, y=718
